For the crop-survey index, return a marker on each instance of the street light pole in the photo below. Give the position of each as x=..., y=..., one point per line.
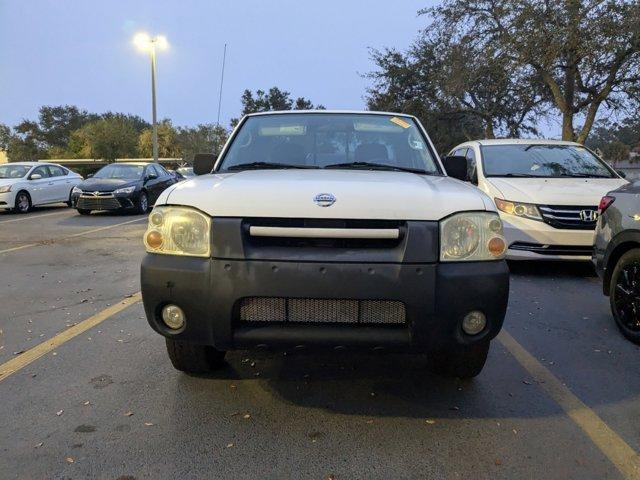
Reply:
x=153, y=100
x=149, y=44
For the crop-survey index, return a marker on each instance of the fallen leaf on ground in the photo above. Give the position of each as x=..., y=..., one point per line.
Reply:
x=69, y=460
x=148, y=424
x=230, y=445
x=128, y=414
x=430, y=422
x=87, y=402
x=498, y=461
x=526, y=382
x=246, y=415
x=38, y=445
x=59, y=412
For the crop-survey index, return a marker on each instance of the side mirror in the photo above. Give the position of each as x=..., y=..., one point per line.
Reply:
x=90, y=175
x=456, y=167
x=621, y=173
x=35, y=176
x=152, y=176
x=203, y=163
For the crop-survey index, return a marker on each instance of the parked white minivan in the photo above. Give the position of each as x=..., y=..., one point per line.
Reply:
x=547, y=193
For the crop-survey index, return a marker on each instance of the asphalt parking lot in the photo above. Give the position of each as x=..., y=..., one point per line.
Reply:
x=88, y=391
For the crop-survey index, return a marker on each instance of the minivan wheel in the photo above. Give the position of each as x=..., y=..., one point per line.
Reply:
x=625, y=294
x=23, y=202
x=193, y=358
x=463, y=361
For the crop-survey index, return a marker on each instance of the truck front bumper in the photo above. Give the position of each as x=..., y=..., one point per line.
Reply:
x=436, y=297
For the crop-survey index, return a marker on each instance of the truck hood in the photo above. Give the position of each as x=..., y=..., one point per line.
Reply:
x=359, y=194
x=556, y=191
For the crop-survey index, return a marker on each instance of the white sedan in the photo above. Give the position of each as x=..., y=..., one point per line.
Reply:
x=24, y=185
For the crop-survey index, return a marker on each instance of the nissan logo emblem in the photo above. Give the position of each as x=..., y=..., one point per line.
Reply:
x=324, y=199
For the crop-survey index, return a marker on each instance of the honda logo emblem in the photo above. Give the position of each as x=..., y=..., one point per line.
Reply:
x=588, y=215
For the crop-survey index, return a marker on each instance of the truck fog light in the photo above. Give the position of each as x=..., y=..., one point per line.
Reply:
x=474, y=322
x=496, y=246
x=154, y=239
x=173, y=316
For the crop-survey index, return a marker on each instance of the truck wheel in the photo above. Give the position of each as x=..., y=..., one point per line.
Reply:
x=192, y=358
x=462, y=361
x=625, y=294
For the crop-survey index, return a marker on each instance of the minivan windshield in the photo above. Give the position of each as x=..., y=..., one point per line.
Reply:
x=330, y=141
x=120, y=172
x=542, y=160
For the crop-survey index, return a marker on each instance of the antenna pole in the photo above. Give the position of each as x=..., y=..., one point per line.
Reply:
x=224, y=59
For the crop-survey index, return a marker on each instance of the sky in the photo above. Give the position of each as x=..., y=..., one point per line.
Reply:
x=56, y=52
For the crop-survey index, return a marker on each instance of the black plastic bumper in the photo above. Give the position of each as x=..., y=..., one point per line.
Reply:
x=436, y=298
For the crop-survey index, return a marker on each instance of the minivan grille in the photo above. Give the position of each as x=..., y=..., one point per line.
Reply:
x=570, y=217
x=318, y=310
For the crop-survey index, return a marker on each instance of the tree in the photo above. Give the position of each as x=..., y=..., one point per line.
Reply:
x=167, y=144
x=5, y=136
x=585, y=52
x=200, y=139
x=401, y=86
x=107, y=138
x=615, y=152
x=274, y=99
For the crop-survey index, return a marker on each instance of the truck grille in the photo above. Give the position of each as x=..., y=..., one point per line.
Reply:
x=570, y=217
x=316, y=310
x=101, y=201
x=311, y=223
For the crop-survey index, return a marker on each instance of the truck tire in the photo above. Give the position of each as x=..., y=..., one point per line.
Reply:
x=625, y=294
x=193, y=358
x=462, y=361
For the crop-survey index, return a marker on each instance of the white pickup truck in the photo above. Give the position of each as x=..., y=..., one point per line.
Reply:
x=332, y=230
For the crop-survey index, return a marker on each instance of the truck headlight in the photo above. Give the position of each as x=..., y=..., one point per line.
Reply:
x=472, y=237
x=526, y=210
x=178, y=231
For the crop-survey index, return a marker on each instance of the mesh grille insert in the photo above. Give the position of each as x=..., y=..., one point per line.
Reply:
x=316, y=310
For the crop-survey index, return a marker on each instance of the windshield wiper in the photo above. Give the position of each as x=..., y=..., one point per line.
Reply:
x=517, y=175
x=583, y=175
x=265, y=165
x=377, y=166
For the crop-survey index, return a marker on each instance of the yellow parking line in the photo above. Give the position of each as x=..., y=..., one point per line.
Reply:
x=34, y=217
x=87, y=232
x=626, y=460
x=31, y=355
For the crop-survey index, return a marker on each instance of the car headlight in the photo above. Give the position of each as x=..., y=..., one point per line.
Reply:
x=178, y=231
x=472, y=237
x=526, y=210
x=124, y=190
x=76, y=190
x=5, y=189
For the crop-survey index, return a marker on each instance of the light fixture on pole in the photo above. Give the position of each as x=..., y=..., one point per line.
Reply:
x=148, y=44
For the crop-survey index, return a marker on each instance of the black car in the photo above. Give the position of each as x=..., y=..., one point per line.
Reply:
x=616, y=256
x=122, y=186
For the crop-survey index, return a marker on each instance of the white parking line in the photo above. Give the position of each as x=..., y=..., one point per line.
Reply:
x=34, y=217
x=87, y=232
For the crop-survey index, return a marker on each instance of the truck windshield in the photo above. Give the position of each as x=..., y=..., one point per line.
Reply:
x=542, y=160
x=328, y=140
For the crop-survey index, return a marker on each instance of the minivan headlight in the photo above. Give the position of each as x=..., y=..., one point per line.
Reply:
x=472, y=237
x=526, y=210
x=178, y=231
